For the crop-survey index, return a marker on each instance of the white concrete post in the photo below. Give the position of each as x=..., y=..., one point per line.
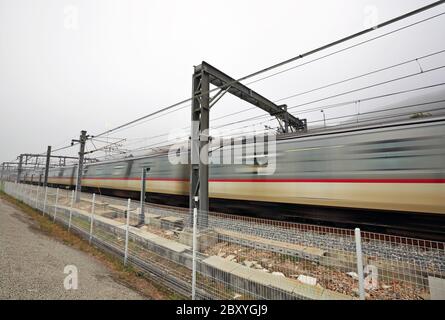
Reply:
x=126, y=232
x=194, y=245
x=37, y=196
x=55, y=205
x=358, y=249
x=71, y=209
x=92, y=217
x=25, y=193
x=44, y=201
x=30, y=194
x=20, y=191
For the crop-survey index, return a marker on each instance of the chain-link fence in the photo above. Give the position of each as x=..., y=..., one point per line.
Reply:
x=222, y=256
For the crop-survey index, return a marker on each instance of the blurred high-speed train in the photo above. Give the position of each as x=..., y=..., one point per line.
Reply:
x=388, y=176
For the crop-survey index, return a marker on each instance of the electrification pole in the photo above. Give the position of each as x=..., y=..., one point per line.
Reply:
x=19, y=169
x=82, y=140
x=3, y=169
x=203, y=76
x=48, y=158
x=145, y=170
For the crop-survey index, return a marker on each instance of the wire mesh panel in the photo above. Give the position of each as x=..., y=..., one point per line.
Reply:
x=239, y=257
x=262, y=259
x=402, y=268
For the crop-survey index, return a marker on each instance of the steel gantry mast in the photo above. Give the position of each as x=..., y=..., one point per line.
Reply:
x=203, y=76
x=48, y=159
x=27, y=157
x=82, y=140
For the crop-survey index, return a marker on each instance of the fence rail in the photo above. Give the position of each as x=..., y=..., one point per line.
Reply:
x=245, y=258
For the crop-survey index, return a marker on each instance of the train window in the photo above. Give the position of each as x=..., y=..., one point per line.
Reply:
x=67, y=172
x=99, y=171
x=119, y=170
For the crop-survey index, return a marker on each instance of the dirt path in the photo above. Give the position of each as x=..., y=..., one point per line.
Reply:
x=32, y=265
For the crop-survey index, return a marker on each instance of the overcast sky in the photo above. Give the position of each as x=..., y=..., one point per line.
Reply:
x=72, y=65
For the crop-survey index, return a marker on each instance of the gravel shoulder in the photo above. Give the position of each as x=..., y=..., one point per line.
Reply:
x=32, y=265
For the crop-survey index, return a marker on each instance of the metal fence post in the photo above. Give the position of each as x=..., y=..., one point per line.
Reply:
x=44, y=201
x=358, y=249
x=92, y=217
x=71, y=209
x=143, y=189
x=55, y=205
x=126, y=232
x=25, y=193
x=195, y=219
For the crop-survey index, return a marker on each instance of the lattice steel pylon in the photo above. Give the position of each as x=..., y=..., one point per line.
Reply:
x=203, y=76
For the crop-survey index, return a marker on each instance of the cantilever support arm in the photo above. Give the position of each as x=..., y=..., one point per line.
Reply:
x=225, y=82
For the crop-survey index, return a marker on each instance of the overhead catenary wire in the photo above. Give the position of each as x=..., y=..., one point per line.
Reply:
x=338, y=82
x=305, y=92
x=164, y=142
x=361, y=121
x=386, y=110
x=323, y=87
x=422, y=72
x=298, y=57
x=295, y=58
x=368, y=87
x=310, y=110
x=425, y=8
x=137, y=122
x=341, y=103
